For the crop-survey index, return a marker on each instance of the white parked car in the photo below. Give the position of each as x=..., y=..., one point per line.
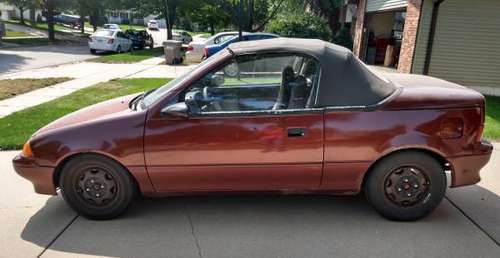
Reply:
x=182, y=36
x=153, y=25
x=109, y=40
x=195, y=49
x=111, y=26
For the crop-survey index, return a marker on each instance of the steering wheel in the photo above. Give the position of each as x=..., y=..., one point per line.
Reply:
x=210, y=99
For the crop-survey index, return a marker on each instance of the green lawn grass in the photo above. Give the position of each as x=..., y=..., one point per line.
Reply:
x=11, y=88
x=130, y=57
x=492, y=126
x=15, y=129
x=122, y=26
x=125, y=27
x=44, y=27
x=12, y=33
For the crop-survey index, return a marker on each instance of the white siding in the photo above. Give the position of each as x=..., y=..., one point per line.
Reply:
x=384, y=5
x=466, y=45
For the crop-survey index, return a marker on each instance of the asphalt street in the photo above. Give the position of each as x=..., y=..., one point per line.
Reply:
x=464, y=225
x=28, y=58
x=18, y=59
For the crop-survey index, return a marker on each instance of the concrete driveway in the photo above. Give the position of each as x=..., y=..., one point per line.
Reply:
x=464, y=225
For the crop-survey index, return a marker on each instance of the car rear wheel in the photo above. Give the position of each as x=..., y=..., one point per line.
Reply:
x=93, y=51
x=119, y=49
x=96, y=187
x=406, y=186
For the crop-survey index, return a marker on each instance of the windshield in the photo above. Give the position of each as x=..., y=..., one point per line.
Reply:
x=225, y=40
x=160, y=92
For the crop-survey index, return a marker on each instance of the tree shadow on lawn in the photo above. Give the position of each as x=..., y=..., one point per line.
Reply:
x=261, y=226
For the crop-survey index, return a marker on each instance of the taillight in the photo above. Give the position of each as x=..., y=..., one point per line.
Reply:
x=190, y=48
x=110, y=41
x=205, y=51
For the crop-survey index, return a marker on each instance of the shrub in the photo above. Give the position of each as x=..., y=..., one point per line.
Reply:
x=300, y=26
x=344, y=38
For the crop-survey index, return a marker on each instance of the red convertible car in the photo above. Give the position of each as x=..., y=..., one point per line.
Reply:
x=278, y=116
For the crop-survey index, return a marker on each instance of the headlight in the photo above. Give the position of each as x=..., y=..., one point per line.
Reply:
x=27, y=152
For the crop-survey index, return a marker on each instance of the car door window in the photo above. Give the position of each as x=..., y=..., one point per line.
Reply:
x=255, y=83
x=121, y=35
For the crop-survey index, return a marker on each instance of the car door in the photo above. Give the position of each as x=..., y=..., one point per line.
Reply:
x=237, y=137
x=124, y=41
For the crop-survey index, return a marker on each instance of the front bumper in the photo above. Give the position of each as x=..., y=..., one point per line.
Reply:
x=465, y=169
x=42, y=178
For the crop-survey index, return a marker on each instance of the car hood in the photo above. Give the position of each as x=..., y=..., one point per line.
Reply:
x=102, y=110
x=425, y=92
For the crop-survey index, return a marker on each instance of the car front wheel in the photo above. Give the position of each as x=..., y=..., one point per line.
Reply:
x=406, y=186
x=96, y=187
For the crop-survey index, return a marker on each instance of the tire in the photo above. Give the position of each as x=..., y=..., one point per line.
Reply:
x=93, y=51
x=386, y=186
x=119, y=49
x=151, y=45
x=96, y=187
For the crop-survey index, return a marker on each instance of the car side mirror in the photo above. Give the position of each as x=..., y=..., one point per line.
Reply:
x=176, y=110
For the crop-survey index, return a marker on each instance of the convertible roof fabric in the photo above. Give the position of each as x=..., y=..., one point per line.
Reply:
x=345, y=81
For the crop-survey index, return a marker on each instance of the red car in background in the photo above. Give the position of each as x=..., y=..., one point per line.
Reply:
x=278, y=116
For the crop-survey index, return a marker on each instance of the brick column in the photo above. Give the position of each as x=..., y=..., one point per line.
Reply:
x=358, y=32
x=413, y=12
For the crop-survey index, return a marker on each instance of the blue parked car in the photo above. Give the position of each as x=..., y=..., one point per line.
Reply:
x=212, y=49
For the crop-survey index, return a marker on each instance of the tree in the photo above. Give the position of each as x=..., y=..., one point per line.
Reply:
x=293, y=21
x=166, y=9
x=22, y=5
x=49, y=8
x=208, y=14
x=328, y=9
x=254, y=14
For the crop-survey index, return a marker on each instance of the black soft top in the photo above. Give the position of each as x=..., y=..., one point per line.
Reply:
x=344, y=79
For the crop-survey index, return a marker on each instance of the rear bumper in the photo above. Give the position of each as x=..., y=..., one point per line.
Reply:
x=193, y=56
x=102, y=47
x=40, y=177
x=465, y=169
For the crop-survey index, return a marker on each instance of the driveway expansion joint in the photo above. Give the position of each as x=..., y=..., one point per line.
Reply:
x=472, y=221
x=58, y=235
x=193, y=232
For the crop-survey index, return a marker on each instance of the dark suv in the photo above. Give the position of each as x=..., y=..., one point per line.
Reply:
x=140, y=39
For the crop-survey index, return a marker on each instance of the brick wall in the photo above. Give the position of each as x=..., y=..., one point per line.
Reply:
x=358, y=31
x=413, y=12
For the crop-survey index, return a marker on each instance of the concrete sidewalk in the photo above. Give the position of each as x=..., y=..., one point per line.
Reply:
x=86, y=74
x=464, y=225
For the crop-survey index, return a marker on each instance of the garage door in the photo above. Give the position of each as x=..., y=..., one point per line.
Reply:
x=467, y=43
x=384, y=5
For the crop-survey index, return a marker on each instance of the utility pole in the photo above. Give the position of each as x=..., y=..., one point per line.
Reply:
x=240, y=18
